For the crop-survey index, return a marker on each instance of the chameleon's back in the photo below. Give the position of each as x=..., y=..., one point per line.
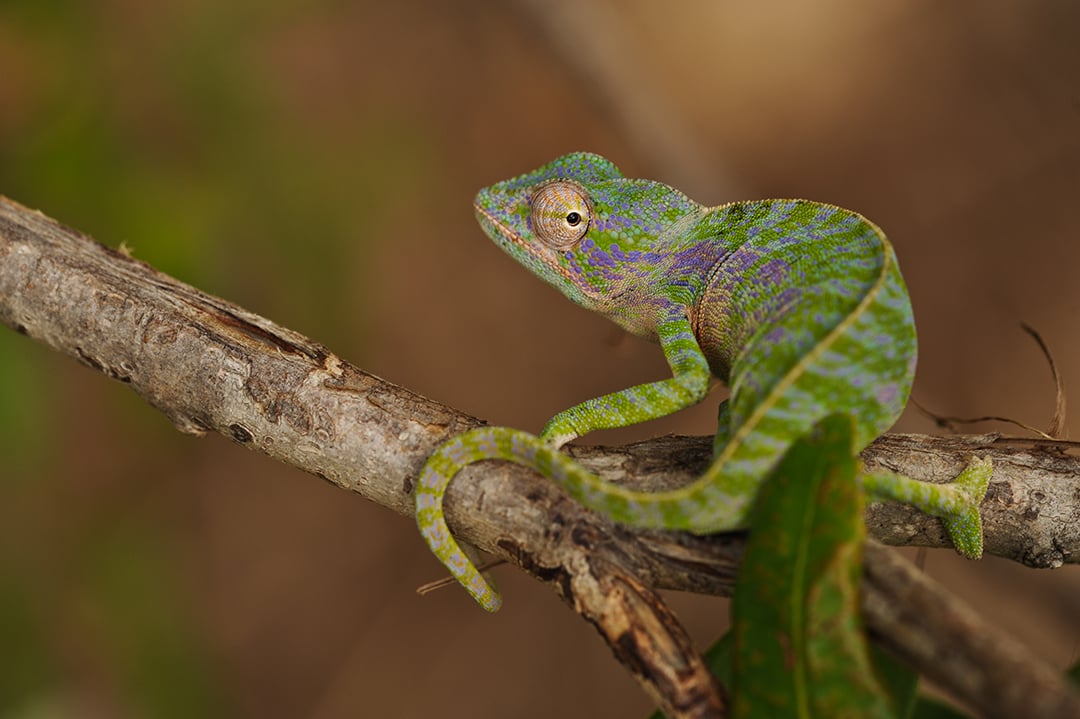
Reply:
x=799, y=306
x=783, y=295
x=808, y=315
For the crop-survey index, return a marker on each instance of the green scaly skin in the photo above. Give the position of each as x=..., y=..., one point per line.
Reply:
x=798, y=306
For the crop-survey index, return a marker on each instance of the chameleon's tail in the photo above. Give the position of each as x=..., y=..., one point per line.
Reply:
x=442, y=465
x=529, y=450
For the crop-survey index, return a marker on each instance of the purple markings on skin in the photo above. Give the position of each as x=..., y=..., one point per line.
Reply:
x=781, y=211
x=436, y=534
x=887, y=394
x=457, y=452
x=697, y=258
x=776, y=335
x=824, y=213
x=682, y=283
x=600, y=258
x=572, y=262
x=425, y=500
x=774, y=270
x=521, y=448
x=487, y=447
x=740, y=262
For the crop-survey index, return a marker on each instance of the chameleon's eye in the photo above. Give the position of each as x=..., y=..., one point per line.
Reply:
x=560, y=213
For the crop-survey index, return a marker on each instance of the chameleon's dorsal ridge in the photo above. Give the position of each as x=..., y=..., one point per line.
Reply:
x=798, y=306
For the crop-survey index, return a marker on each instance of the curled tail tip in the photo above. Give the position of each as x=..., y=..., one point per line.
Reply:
x=437, y=536
x=492, y=603
x=476, y=585
x=482, y=592
x=445, y=462
x=461, y=568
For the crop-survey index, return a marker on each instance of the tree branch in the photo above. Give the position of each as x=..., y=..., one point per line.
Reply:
x=211, y=366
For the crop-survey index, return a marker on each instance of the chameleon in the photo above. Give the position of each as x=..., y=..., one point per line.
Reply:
x=797, y=306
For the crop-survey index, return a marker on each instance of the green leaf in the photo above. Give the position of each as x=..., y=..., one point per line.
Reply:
x=899, y=680
x=800, y=650
x=720, y=658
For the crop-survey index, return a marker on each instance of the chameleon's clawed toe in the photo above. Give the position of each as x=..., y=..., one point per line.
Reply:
x=965, y=527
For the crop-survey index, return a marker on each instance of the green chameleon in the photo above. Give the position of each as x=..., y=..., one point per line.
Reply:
x=797, y=306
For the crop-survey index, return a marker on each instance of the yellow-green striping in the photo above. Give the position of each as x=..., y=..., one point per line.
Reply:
x=798, y=306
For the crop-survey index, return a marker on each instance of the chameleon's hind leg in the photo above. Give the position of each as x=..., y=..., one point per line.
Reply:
x=956, y=503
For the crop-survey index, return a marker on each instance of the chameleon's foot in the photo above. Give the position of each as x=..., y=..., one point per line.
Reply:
x=956, y=503
x=556, y=441
x=965, y=526
x=559, y=430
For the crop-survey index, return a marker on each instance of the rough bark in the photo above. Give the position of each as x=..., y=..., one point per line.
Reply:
x=211, y=366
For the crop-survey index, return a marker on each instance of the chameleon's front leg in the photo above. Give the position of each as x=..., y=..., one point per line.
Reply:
x=641, y=403
x=689, y=385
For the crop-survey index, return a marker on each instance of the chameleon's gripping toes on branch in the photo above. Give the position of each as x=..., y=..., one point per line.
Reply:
x=798, y=306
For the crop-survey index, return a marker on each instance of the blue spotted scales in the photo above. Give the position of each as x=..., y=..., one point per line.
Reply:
x=799, y=307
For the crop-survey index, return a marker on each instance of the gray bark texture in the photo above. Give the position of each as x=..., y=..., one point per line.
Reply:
x=212, y=366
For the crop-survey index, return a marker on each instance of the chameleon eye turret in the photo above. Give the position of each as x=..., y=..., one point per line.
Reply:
x=561, y=213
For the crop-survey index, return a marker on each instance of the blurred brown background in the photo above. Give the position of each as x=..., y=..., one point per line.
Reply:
x=314, y=162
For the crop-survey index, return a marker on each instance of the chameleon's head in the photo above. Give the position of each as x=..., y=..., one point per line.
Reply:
x=581, y=226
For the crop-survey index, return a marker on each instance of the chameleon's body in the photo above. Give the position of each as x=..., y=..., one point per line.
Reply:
x=798, y=306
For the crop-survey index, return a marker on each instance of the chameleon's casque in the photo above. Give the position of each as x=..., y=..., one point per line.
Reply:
x=799, y=307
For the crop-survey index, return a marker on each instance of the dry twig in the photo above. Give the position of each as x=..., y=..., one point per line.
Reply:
x=212, y=366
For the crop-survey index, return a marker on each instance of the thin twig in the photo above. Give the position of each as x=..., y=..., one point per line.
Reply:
x=1056, y=430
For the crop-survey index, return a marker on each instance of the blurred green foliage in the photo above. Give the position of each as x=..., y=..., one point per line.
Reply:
x=800, y=648
x=163, y=130
x=169, y=135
